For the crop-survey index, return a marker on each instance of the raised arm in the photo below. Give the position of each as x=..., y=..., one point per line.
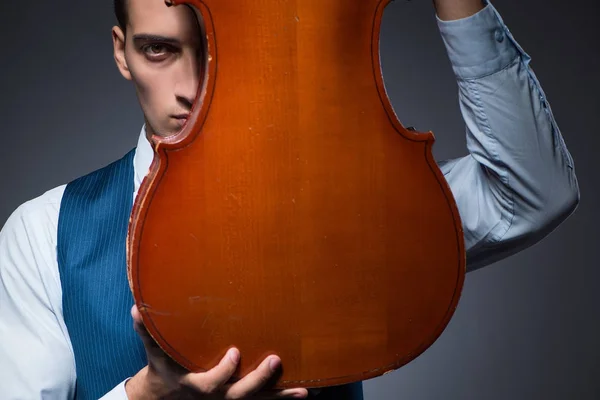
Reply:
x=518, y=182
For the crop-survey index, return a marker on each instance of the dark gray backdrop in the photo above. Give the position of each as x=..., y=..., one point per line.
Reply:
x=525, y=328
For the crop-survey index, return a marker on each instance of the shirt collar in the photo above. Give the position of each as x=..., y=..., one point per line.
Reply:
x=142, y=159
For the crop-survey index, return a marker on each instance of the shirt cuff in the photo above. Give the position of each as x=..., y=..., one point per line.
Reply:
x=117, y=393
x=480, y=44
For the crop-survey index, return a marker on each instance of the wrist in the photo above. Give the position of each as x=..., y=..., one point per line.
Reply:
x=451, y=10
x=140, y=386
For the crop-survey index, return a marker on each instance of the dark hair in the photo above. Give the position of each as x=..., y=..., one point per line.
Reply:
x=121, y=13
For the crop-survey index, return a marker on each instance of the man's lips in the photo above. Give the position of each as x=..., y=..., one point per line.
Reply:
x=181, y=116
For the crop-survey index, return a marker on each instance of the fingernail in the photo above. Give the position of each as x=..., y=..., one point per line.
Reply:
x=234, y=355
x=273, y=363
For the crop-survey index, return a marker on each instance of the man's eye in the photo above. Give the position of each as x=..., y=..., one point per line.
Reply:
x=156, y=50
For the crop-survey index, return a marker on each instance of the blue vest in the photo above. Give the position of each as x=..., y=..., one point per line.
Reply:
x=91, y=250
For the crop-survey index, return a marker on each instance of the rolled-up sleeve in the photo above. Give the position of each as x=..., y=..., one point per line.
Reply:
x=517, y=183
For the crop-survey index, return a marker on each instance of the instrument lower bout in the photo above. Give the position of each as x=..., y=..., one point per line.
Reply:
x=293, y=214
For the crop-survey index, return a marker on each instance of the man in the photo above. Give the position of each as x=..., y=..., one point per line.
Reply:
x=65, y=324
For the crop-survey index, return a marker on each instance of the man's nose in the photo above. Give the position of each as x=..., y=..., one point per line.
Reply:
x=187, y=78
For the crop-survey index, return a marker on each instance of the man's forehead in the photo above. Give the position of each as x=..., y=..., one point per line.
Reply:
x=154, y=16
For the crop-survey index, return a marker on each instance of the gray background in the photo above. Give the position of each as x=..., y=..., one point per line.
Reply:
x=525, y=328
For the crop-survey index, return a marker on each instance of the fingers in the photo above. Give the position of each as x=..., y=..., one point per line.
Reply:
x=212, y=380
x=252, y=383
x=255, y=380
x=296, y=393
x=215, y=380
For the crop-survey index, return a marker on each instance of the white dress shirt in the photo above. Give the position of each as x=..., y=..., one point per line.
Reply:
x=516, y=184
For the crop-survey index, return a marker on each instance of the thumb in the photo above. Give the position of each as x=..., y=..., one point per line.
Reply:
x=158, y=361
x=149, y=343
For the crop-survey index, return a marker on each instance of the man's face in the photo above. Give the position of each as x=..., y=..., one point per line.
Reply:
x=162, y=54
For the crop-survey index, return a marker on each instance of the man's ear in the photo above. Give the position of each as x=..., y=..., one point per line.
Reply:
x=119, y=51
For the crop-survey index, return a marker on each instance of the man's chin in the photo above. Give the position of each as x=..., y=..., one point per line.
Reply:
x=171, y=131
x=171, y=128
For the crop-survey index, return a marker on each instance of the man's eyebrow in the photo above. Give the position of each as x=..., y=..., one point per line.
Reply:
x=154, y=38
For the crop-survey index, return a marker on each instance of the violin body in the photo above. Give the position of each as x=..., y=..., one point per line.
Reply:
x=294, y=214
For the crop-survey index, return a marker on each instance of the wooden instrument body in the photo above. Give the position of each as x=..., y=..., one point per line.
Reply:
x=294, y=214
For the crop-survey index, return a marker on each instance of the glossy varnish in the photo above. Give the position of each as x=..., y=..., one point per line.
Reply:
x=294, y=214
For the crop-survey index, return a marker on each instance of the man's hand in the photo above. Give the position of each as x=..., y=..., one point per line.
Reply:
x=163, y=378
